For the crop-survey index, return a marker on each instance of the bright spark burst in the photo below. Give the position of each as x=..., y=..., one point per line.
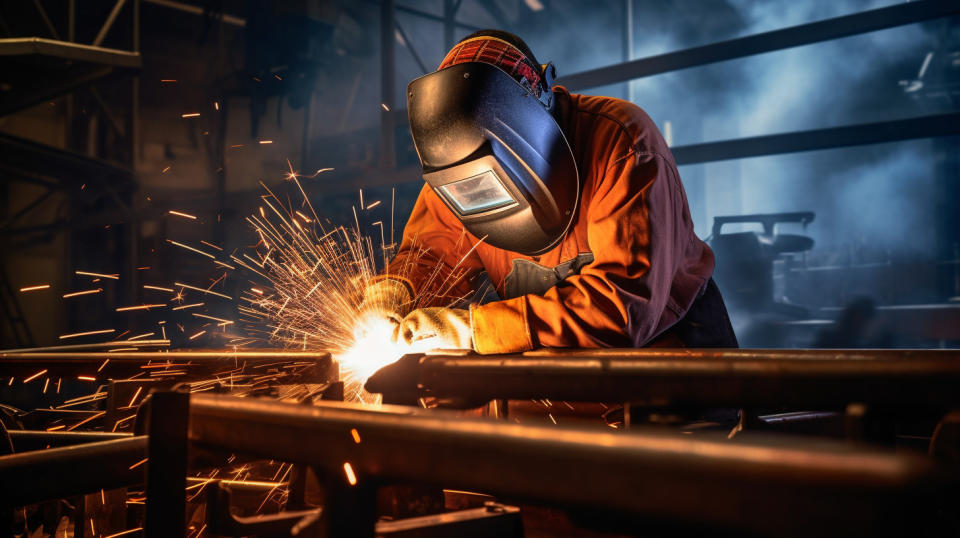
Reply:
x=308, y=283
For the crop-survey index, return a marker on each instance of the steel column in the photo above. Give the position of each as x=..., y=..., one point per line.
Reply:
x=388, y=76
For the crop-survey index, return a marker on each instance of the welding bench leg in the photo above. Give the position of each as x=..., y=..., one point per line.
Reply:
x=168, y=418
x=348, y=511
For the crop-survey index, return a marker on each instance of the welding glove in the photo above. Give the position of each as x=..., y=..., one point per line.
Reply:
x=436, y=328
x=385, y=302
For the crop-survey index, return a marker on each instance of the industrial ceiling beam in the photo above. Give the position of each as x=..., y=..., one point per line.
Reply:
x=794, y=36
x=819, y=139
x=427, y=15
x=22, y=46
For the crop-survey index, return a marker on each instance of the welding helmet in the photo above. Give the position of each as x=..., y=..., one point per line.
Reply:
x=483, y=127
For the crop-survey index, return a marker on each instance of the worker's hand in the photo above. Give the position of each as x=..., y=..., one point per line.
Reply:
x=385, y=303
x=436, y=328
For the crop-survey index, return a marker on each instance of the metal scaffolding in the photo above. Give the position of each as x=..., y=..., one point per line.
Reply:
x=94, y=171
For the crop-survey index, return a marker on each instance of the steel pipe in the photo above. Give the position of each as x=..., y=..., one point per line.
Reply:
x=787, y=488
x=712, y=377
x=55, y=473
x=26, y=440
x=18, y=364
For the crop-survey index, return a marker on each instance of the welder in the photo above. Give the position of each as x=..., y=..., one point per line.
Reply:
x=571, y=204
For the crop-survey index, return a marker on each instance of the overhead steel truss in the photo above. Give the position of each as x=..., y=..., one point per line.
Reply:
x=795, y=36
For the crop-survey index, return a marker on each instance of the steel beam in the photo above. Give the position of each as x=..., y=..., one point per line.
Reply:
x=111, y=18
x=818, y=139
x=388, y=81
x=410, y=47
x=196, y=10
x=55, y=473
x=795, y=36
x=26, y=440
x=67, y=168
x=22, y=46
x=427, y=15
x=936, y=125
x=21, y=364
x=784, y=488
x=697, y=377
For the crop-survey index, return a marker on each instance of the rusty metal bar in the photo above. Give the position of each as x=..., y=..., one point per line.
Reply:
x=28, y=363
x=684, y=376
x=796, y=487
x=26, y=440
x=55, y=473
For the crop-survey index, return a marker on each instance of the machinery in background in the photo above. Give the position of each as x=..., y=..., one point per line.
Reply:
x=744, y=267
x=745, y=273
x=848, y=304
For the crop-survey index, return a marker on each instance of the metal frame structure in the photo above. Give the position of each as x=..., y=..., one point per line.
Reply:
x=251, y=372
x=796, y=36
x=80, y=468
x=389, y=120
x=54, y=67
x=640, y=479
x=683, y=377
x=88, y=461
x=17, y=364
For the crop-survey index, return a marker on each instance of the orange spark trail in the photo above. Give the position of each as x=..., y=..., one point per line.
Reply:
x=97, y=275
x=158, y=288
x=201, y=290
x=89, y=333
x=87, y=292
x=34, y=376
x=184, y=215
x=140, y=307
x=198, y=251
x=35, y=288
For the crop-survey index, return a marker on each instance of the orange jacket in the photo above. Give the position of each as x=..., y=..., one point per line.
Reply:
x=648, y=265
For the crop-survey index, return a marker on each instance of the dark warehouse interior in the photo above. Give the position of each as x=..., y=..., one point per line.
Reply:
x=242, y=295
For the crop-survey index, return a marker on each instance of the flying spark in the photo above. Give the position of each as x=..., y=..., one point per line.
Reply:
x=36, y=288
x=34, y=376
x=158, y=288
x=308, y=283
x=97, y=275
x=89, y=333
x=351, y=477
x=184, y=215
x=140, y=307
x=79, y=293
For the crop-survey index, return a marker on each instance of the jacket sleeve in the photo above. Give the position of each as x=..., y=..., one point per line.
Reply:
x=436, y=257
x=639, y=231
